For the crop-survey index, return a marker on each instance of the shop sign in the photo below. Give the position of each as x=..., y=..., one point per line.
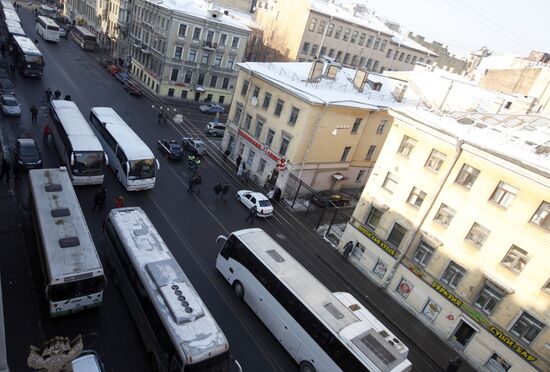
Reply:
x=495, y=331
x=376, y=240
x=259, y=145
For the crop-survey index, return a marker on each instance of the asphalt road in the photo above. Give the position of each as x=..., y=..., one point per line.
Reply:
x=189, y=224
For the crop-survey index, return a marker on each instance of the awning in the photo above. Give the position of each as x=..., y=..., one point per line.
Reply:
x=500, y=283
x=200, y=88
x=339, y=176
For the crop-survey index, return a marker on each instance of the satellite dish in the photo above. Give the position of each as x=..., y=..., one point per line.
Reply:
x=254, y=101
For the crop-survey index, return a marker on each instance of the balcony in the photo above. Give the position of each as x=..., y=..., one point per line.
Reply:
x=209, y=45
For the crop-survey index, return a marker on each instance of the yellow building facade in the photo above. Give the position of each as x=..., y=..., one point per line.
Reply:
x=454, y=223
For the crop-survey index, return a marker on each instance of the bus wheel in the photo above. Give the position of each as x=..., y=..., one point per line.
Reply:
x=239, y=289
x=306, y=366
x=154, y=362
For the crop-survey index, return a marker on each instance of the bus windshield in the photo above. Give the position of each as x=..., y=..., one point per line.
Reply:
x=79, y=288
x=141, y=169
x=219, y=363
x=33, y=59
x=88, y=163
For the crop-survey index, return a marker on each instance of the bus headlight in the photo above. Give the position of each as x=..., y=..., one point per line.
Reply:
x=96, y=301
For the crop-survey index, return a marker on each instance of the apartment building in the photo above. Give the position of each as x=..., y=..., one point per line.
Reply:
x=322, y=123
x=444, y=60
x=352, y=36
x=454, y=223
x=186, y=49
x=85, y=13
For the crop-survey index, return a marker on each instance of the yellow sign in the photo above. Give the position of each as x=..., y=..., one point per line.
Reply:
x=511, y=344
x=376, y=240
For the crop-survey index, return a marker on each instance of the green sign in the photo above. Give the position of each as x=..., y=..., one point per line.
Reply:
x=376, y=240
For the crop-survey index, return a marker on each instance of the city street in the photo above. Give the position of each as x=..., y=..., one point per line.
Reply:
x=188, y=223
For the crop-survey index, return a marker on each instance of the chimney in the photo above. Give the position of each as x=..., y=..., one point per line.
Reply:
x=332, y=70
x=399, y=92
x=377, y=86
x=316, y=70
x=360, y=79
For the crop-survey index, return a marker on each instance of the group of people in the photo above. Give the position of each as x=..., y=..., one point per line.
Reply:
x=101, y=196
x=221, y=191
x=195, y=182
x=193, y=162
x=242, y=171
x=56, y=95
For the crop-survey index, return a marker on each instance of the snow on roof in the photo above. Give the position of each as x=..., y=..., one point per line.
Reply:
x=367, y=20
x=523, y=139
x=199, y=9
x=293, y=77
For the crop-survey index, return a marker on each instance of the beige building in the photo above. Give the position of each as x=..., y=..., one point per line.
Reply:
x=352, y=36
x=444, y=60
x=454, y=223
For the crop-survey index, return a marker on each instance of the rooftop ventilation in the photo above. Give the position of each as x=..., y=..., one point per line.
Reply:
x=214, y=14
x=53, y=187
x=316, y=70
x=333, y=310
x=377, y=86
x=275, y=255
x=399, y=92
x=332, y=70
x=61, y=212
x=182, y=303
x=360, y=79
x=69, y=242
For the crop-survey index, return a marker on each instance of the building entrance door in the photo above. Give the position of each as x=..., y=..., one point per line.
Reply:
x=197, y=96
x=463, y=334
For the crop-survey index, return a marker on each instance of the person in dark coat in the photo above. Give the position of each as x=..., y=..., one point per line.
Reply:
x=48, y=94
x=5, y=171
x=238, y=160
x=192, y=181
x=67, y=98
x=454, y=365
x=251, y=214
x=225, y=190
x=99, y=199
x=348, y=247
x=57, y=94
x=34, y=113
x=198, y=183
x=217, y=190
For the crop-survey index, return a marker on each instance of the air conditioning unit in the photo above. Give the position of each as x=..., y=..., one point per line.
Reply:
x=254, y=101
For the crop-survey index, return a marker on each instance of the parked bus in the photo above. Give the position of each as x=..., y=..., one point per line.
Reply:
x=27, y=56
x=10, y=15
x=77, y=144
x=6, y=4
x=47, y=28
x=14, y=30
x=177, y=329
x=322, y=331
x=72, y=270
x=84, y=38
x=131, y=159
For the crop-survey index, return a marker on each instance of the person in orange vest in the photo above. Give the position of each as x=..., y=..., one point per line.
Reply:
x=119, y=202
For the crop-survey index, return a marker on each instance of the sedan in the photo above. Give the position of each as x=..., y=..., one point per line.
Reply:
x=194, y=146
x=9, y=105
x=6, y=86
x=259, y=200
x=27, y=155
x=215, y=129
x=324, y=198
x=133, y=88
x=211, y=108
x=171, y=149
x=122, y=77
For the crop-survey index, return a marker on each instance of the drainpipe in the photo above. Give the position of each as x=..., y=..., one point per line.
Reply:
x=446, y=95
x=416, y=234
x=323, y=39
x=313, y=135
x=371, y=48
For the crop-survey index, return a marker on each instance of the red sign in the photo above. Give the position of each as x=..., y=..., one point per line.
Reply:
x=260, y=146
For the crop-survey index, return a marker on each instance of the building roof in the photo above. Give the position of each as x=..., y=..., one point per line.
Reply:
x=293, y=78
x=200, y=9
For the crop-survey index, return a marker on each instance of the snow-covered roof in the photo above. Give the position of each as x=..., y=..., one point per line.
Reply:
x=200, y=9
x=293, y=78
x=366, y=20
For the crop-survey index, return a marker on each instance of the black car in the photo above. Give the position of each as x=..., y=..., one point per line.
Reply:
x=323, y=198
x=27, y=155
x=171, y=148
x=6, y=86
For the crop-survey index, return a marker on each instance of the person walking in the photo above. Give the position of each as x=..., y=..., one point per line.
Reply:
x=348, y=247
x=119, y=202
x=238, y=160
x=67, y=98
x=57, y=94
x=198, y=183
x=454, y=365
x=225, y=190
x=99, y=199
x=48, y=94
x=5, y=171
x=217, y=190
x=241, y=169
x=251, y=214
x=160, y=118
x=46, y=134
x=34, y=113
x=192, y=181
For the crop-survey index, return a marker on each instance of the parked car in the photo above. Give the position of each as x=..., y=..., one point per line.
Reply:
x=87, y=361
x=194, y=146
x=257, y=199
x=215, y=129
x=211, y=108
x=6, y=86
x=323, y=198
x=113, y=69
x=9, y=105
x=133, y=88
x=171, y=149
x=27, y=155
x=122, y=77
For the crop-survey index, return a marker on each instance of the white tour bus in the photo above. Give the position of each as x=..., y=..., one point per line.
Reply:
x=77, y=144
x=6, y=4
x=177, y=329
x=47, y=28
x=72, y=271
x=322, y=331
x=10, y=15
x=131, y=159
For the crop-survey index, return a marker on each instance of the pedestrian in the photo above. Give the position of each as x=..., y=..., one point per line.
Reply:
x=238, y=160
x=159, y=118
x=225, y=190
x=217, y=190
x=119, y=202
x=197, y=164
x=19, y=6
x=67, y=98
x=454, y=365
x=251, y=214
x=57, y=94
x=348, y=247
x=3, y=48
x=192, y=181
x=99, y=199
x=34, y=113
x=5, y=171
x=48, y=94
x=241, y=169
x=36, y=41
x=46, y=132
x=15, y=4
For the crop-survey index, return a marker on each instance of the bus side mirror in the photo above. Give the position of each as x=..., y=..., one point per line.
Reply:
x=222, y=238
x=237, y=364
x=158, y=164
x=106, y=159
x=47, y=290
x=72, y=160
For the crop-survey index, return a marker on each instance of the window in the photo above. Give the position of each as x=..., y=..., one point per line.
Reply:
x=408, y=59
x=497, y=364
x=504, y=194
x=374, y=217
x=293, y=116
x=197, y=33
x=413, y=61
x=515, y=259
x=279, y=107
x=375, y=65
x=188, y=77
x=542, y=216
x=360, y=176
x=396, y=235
x=238, y=113
x=223, y=39
x=435, y=160
x=213, y=81
x=256, y=91
x=284, y=146
x=244, y=88
x=477, y=235
x=354, y=60
x=376, y=43
x=370, y=153
x=467, y=176
x=346, y=34
x=182, y=30
x=184, y=94
x=200, y=80
x=527, y=327
x=178, y=52
x=381, y=126
x=388, y=54
x=218, y=60
x=444, y=215
x=192, y=55
x=205, y=57
x=171, y=92
x=488, y=298
x=312, y=24
x=321, y=28
x=338, y=32
x=362, y=39
x=407, y=145
x=174, y=74
x=259, y=127
x=354, y=36
x=383, y=45
x=269, y=138
x=401, y=56
x=323, y=51
x=247, y=122
x=453, y=274
x=261, y=166
x=369, y=41
x=225, y=83
x=235, y=42
x=339, y=55
x=314, y=50
x=346, y=59
x=230, y=62
x=330, y=28
x=423, y=254
x=390, y=182
x=267, y=100
x=369, y=64
x=345, y=153
x=331, y=52
x=356, y=125
x=416, y=197
x=305, y=48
